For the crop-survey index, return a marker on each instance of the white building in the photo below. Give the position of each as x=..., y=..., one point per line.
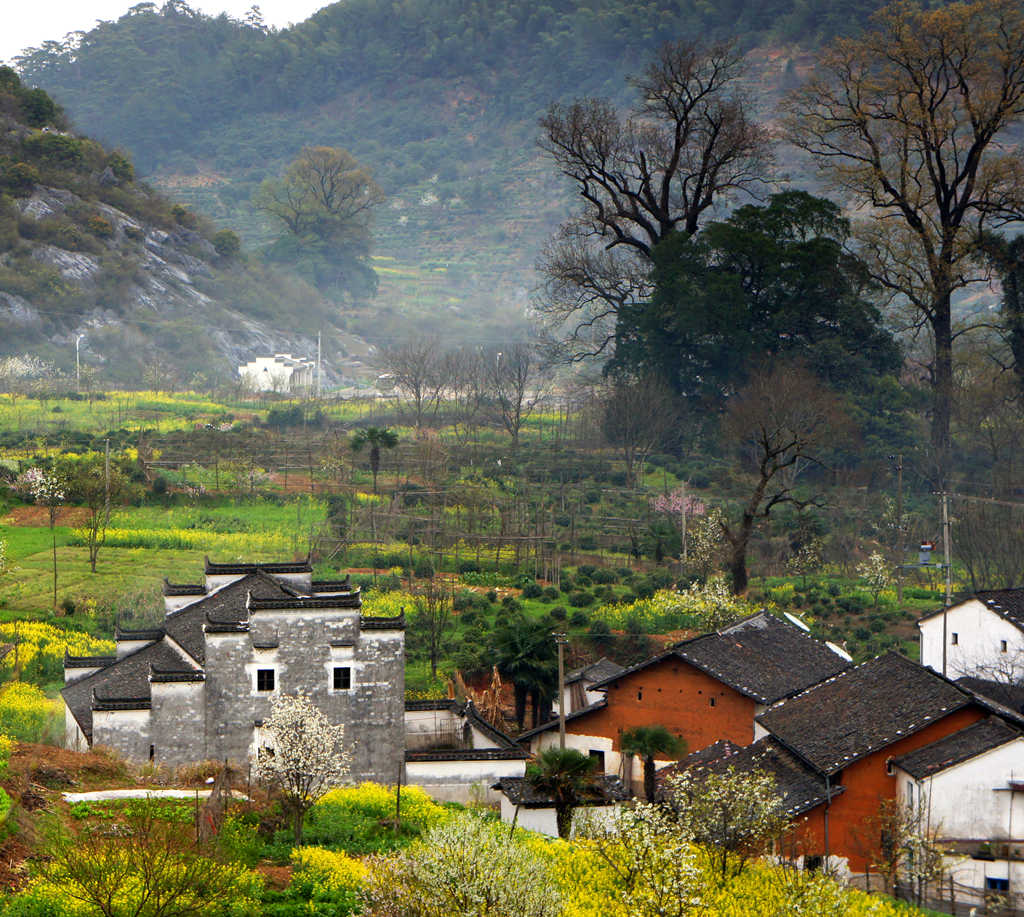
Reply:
x=280, y=373
x=969, y=790
x=984, y=637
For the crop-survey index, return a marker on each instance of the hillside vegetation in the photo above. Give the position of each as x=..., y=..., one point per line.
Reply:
x=86, y=249
x=439, y=100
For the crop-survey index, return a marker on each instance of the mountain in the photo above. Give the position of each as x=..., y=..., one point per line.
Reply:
x=86, y=250
x=439, y=98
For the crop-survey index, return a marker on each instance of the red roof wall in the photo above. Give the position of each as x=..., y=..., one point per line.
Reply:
x=867, y=784
x=674, y=694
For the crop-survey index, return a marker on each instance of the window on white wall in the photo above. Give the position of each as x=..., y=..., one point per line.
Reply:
x=955, y=639
x=342, y=678
x=1002, y=646
x=265, y=679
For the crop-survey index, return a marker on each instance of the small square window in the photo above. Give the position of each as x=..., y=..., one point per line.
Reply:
x=956, y=638
x=264, y=679
x=1002, y=646
x=342, y=678
x=993, y=884
x=713, y=701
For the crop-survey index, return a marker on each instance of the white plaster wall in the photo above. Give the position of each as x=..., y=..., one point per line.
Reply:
x=543, y=821
x=973, y=873
x=176, y=602
x=583, y=743
x=127, y=647
x=971, y=801
x=977, y=652
x=462, y=781
x=73, y=674
x=74, y=738
x=126, y=731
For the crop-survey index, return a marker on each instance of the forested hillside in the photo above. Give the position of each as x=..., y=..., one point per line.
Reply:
x=149, y=289
x=439, y=100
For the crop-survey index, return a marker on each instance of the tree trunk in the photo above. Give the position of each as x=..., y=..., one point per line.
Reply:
x=649, y=777
x=297, y=825
x=520, y=693
x=53, y=539
x=942, y=394
x=738, y=558
x=563, y=818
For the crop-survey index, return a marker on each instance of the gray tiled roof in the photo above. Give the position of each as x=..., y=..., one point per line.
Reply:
x=959, y=747
x=800, y=787
x=763, y=657
x=601, y=670
x=865, y=708
x=606, y=789
x=1009, y=695
x=126, y=678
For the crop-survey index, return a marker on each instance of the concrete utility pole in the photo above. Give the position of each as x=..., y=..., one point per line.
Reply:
x=949, y=576
x=319, y=388
x=561, y=640
x=78, y=364
x=899, y=529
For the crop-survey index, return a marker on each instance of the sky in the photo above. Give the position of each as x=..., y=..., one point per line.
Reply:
x=28, y=23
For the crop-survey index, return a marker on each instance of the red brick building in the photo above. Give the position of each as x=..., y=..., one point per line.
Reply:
x=830, y=748
x=704, y=689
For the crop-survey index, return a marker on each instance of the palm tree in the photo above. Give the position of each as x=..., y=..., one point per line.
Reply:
x=526, y=655
x=566, y=775
x=648, y=741
x=376, y=438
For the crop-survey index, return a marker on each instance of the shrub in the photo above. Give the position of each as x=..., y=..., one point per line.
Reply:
x=581, y=599
x=99, y=226
x=558, y=613
x=834, y=590
x=532, y=591
x=469, y=566
x=604, y=577
x=121, y=166
x=424, y=569
x=550, y=594
x=227, y=244
x=579, y=619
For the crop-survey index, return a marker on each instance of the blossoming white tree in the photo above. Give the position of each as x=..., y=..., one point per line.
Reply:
x=305, y=757
x=47, y=489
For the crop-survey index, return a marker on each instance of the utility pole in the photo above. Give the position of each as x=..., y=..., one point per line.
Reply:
x=899, y=529
x=319, y=388
x=78, y=364
x=682, y=523
x=561, y=640
x=949, y=577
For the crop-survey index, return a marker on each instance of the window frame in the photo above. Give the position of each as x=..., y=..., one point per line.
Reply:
x=272, y=672
x=335, y=672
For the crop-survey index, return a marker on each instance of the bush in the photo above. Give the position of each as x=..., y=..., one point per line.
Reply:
x=550, y=594
x=834, y=590
x=227, y=244
x=424, y=569
x=532, y=591
x=579, y=619
x=604, y=577
x=558, y=613
x=469, y=566
x=581, y=599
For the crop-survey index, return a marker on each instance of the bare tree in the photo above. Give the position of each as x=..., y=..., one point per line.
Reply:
x=687, y=143
x=909, y=119
x=778, y=423
x=639, y=415
x=514, y=380
x=418, y=369
x=466, y=388
x=431, y=620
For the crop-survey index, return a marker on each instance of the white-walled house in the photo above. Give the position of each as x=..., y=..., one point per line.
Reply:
x=529, y=808
x=984, y=636
x=579, y=690
x=454, y=754
x=280, y=373
x=969, y=790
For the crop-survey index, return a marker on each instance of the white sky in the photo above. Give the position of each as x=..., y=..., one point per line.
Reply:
x=28, y=23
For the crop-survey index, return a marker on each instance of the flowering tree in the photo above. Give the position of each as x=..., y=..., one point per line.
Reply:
x=305, y=758
x=876, y=574
x=465, y=866
x=731, y=816
x=652, y=856
x=47, y=489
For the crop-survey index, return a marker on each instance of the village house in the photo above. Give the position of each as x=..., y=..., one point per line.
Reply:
x=454, y=754
x=281, y=373
x=199, y=686
x=704, y=689
x=983, y=637
x=834, y=746
x=967, y=791
x=524, y=805
x=579, y=684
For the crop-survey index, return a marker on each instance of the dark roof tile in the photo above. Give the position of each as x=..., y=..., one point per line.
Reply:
x=956, y=748
x=1007, y=603
x=520, y=792
x=861, y=710
x=799, y=786
x=1009, y=695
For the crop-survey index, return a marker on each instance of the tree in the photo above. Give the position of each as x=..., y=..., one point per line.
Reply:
x=897, y=838
x=648, y=742
x=305, y=757
x=49, y=490
x=465, y=866
x=376, y=438
x=418, y=371
x=685, y=146
x=730, y=815
x=145, y=870
x=771, y=281
x=525, y=654
x=431, y=620
x=324, y=201
x=90, y=484
x=565, y=775
x=653, y=859
x=514, y=376
x=876, y=573
x=779, y=423
x=910, y=119
x=639, y=415
x=1007, y=258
